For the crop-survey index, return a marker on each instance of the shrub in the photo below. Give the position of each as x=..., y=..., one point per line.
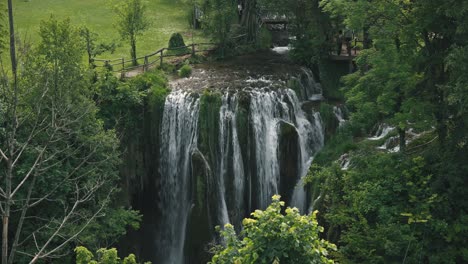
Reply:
x=185, y=71
x=273, y=237
x=175, y=43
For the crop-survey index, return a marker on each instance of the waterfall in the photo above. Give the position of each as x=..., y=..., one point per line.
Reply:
x=311, y=140
x=178, y=139
x=229, y=147
x=312, y=90
x=268, y=110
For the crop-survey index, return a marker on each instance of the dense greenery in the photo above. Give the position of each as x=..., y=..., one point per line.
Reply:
x=273, y=237
x=407, y=206
x=60, y=152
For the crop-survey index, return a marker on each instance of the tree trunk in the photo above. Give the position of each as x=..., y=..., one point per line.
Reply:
x=133, y=50
x=249, y=19
x=12, y=39
x=402, y=136
x=10, y=138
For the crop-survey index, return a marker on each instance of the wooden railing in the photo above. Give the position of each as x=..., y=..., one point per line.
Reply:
x=123, y=65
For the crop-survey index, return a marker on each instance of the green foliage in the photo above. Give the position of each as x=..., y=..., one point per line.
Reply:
x=61, y=51
x=413, y=75
x=83, y=255
x=185, y=71
x=66, y=169
x=105, y=256
x=271, y=237
x=106, y=231
x=131, y=22
x=380, y=209
x=121, y=101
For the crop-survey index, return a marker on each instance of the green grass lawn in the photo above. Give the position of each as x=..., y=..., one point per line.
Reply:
x=166, y=17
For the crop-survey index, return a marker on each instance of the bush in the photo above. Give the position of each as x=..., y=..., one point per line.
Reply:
x=185, y=71
x=273, y=237
x=175, y=43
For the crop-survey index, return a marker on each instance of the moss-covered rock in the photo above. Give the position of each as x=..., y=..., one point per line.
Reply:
x=208, y=125
x=247, y=145
x=329, y=119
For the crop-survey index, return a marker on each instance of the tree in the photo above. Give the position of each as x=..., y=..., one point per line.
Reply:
x=58, y=165
x=93, y=48
x=219, y=18
x=131, y=23
x=271, y=237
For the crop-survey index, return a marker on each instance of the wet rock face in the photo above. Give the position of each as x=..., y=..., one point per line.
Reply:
x=289, y=160
x=199, y=224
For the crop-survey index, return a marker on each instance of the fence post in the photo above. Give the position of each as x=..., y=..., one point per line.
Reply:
x=122, y=72
x=145, y=67
x=161, y=58
x=193, y=49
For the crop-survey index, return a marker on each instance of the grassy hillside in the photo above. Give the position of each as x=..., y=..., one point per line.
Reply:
x=166, y=16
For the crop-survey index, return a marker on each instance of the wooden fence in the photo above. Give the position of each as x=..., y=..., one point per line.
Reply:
x=144, y=63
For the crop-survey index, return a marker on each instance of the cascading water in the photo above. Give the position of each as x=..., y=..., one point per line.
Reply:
x=382, y=131
x=229, y=143
x=339, y=115
x=178, y=139
x=312, y=90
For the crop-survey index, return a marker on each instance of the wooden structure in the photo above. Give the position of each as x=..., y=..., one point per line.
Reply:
x=346, y=55
x=270, y=21
x=122, y=65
